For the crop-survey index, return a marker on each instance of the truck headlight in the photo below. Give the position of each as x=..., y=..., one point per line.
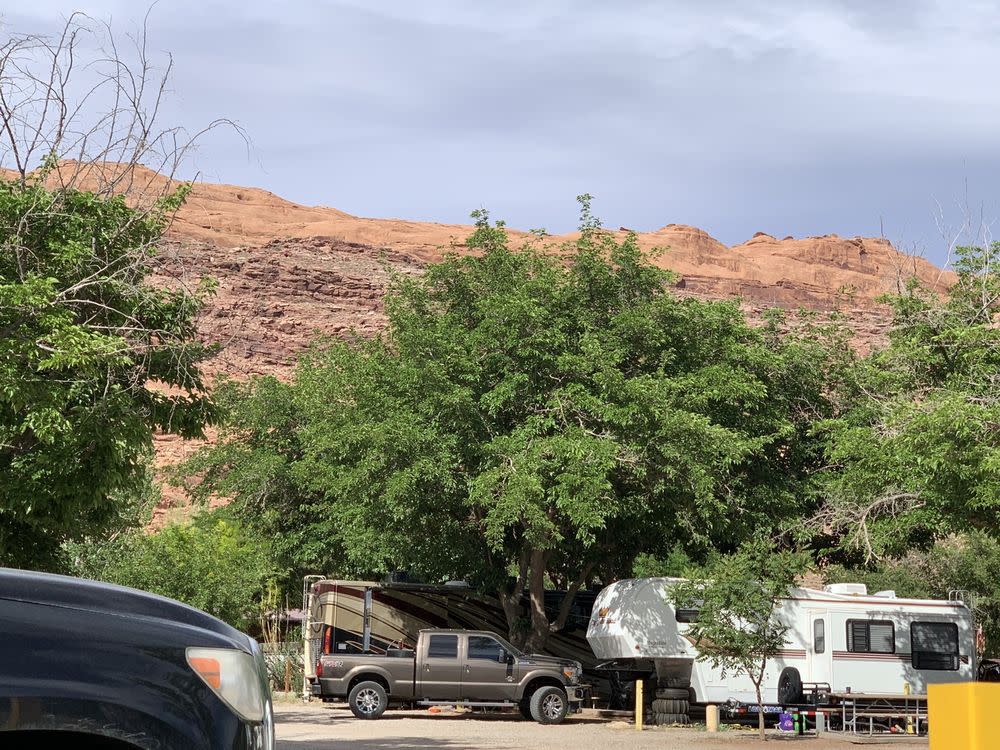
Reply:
x=233, y=676
x=571, y=673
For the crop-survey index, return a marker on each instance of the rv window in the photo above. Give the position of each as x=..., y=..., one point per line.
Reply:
x=934, y=645
x=484, y=647
x=819, y=636
x=687, y=615
x=871, y=637
x=443, y=647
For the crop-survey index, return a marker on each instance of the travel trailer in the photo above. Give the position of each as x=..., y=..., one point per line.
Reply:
x=365, y=617
x=840, y=639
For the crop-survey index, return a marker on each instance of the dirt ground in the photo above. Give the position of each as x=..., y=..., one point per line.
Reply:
x=316, y=726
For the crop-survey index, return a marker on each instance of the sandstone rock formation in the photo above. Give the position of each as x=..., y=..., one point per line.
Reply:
x=287, y=273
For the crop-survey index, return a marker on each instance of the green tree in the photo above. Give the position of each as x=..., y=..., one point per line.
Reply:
x=209, y=562
x=531, y=418
x=92, y=359
x=917, y=455
x=738, y=628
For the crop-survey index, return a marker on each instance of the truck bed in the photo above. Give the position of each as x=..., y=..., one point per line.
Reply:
x=401, y=671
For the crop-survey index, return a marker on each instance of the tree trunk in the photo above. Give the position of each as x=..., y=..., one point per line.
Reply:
x=539, y=632
x=567, y=603
x=760, y=713
x=511, y=601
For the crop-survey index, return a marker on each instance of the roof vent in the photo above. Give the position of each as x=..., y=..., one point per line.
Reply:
x=887, y=594
x=854, y=589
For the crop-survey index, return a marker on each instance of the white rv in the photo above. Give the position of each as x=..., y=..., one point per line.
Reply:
x=840, y=638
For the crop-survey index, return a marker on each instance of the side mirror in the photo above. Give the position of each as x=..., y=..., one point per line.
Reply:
x=507, y=658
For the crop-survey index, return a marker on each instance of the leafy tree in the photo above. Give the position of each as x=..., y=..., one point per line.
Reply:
x=92, y=360
x=917, y=456
x=738, y=627
x=209, y=562
x=531, y=418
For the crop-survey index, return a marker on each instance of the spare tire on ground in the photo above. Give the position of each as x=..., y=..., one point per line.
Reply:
x=681, y=693
x=663, y=719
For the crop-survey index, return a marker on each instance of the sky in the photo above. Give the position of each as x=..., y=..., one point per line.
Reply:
x=855, y=117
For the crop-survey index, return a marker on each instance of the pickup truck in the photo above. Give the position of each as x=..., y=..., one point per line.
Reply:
x=475, y=668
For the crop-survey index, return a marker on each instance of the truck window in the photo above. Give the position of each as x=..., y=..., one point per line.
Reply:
x=484, y=647
x=443, y=647
x=934, y=645
x=871, y=637
x=819, y=636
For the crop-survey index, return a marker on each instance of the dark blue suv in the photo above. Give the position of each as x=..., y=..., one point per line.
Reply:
x=90, y=665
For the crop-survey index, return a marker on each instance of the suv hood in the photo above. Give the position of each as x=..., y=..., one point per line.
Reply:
x=78, y=593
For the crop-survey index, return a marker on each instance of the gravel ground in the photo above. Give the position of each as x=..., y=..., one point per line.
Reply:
x=316, y=726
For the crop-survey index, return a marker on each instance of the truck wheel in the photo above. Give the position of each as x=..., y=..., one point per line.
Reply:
x=549, y=705
x=525, y=708
x=789, y=686
x=368, y=700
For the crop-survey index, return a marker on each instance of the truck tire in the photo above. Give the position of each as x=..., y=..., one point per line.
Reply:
x=368, y=700
x=670, y=706
x=549, y=705
x=524, y=707
x=680, y=693
x=790, y=686
x=663, y=719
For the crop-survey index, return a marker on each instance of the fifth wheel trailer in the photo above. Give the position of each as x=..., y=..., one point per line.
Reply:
x=839, y=638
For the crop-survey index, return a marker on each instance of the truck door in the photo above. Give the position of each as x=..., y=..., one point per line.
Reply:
x=819, y=649
x=489, y=675
x=440, y=671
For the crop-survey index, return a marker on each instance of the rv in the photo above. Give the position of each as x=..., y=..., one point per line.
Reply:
x=839, y=639
x=365, y=617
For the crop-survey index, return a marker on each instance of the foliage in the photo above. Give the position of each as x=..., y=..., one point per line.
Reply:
x=737, y=628
x=968, y=562
x=92, y=360
x=209, y=562
x=530, y=418
x=917, y=456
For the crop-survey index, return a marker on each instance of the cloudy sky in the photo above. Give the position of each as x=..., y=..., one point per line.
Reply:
x=783, y=116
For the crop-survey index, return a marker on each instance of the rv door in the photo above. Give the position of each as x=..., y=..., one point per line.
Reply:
x=819, y=648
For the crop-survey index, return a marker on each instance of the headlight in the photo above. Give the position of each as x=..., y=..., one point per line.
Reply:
x=233, y=677
x=571, y=673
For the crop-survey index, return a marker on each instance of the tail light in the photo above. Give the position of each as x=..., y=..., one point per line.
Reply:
x=326, y=639
x=319, y=667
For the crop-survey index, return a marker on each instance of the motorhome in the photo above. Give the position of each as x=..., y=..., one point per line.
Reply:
x=840, y=638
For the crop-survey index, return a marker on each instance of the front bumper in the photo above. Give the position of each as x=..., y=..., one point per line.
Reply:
x=577, y=695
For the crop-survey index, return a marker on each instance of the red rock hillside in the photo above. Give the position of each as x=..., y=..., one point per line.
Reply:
x=287, y=272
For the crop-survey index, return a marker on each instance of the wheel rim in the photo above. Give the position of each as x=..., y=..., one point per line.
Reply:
x=367, y=701
x=552, y=706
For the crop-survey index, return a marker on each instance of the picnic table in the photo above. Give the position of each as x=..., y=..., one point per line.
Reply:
x=911, y=708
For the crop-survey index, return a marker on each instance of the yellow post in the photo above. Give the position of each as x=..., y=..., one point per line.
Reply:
x=638, y=705
x=712, y=718
x=909, y=719
x=958, y=715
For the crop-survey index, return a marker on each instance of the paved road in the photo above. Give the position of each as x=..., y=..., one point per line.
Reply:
x=318, y=727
